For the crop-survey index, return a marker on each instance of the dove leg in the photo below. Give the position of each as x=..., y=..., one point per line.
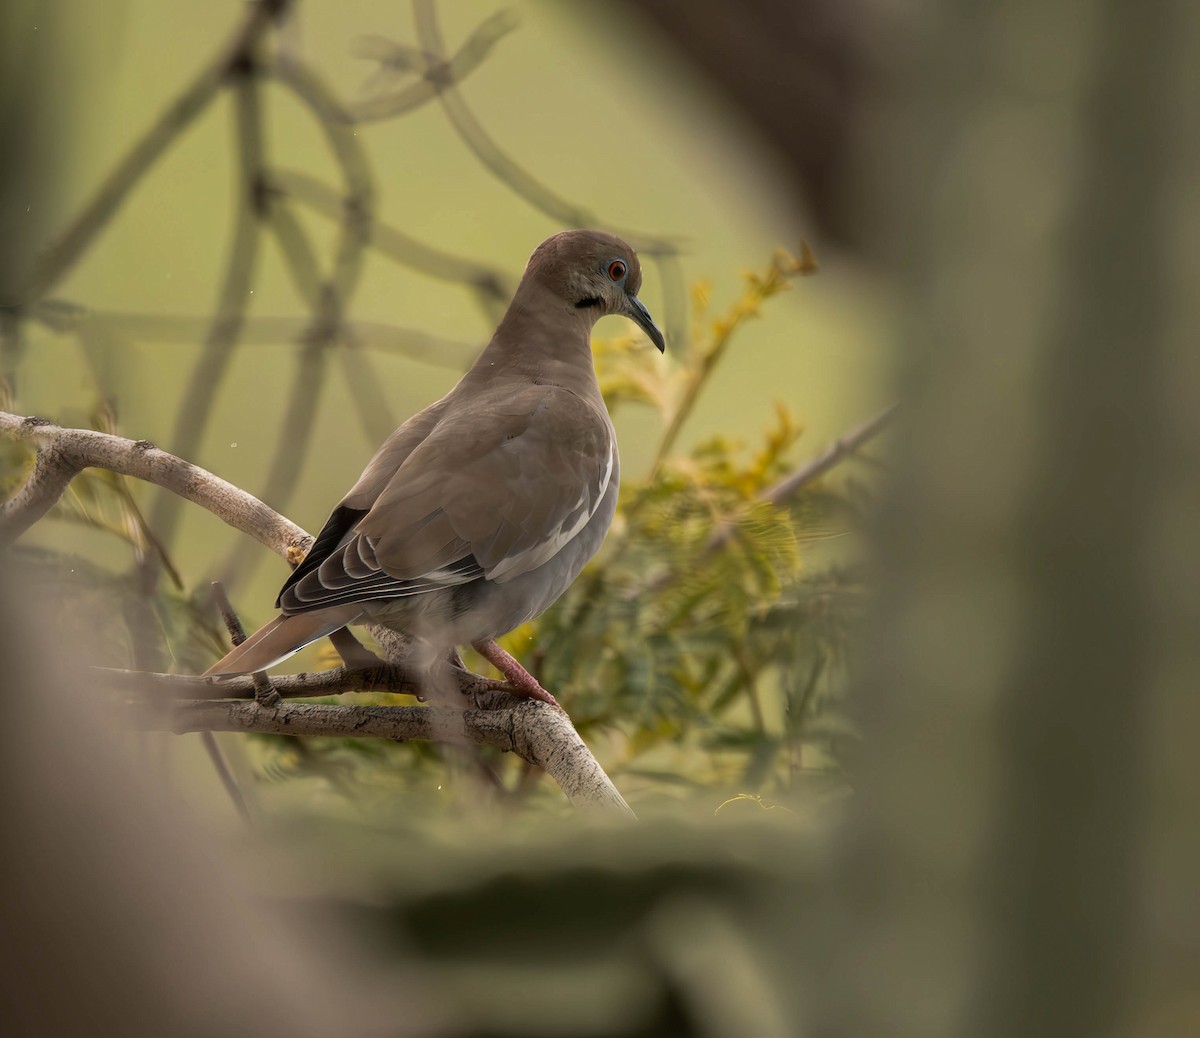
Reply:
x=520, y=681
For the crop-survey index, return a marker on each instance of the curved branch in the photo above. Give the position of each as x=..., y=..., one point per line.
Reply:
x=64, y=453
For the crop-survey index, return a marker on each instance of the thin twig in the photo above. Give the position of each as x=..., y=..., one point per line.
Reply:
x=291, y=447
x=841, y=448
x=263, y=692
x=330, y=300
x=229, y=617
x=675, y=304
x=221, y=767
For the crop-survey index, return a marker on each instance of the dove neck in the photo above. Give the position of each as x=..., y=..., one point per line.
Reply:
x=545, y=339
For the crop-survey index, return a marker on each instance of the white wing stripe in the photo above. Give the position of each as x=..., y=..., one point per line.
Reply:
x=575, y=521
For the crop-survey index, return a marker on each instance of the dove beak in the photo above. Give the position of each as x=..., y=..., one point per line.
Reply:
x=639, y=314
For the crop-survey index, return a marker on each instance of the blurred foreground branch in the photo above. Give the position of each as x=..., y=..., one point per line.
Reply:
x=544, y=738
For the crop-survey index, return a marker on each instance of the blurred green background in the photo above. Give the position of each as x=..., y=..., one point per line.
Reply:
x=985, y=824
x=590, y=105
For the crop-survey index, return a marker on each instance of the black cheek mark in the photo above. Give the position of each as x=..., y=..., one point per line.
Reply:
x=583, y=304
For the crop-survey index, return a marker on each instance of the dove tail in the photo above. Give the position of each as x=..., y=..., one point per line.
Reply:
x=281, y=638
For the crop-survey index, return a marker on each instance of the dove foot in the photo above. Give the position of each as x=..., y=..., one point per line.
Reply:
x=520, y=681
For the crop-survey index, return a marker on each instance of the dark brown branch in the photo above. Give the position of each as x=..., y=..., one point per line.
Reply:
x=540, y=735
x=263, y=692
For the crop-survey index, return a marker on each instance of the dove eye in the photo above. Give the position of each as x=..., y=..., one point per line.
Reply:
x=616, y=270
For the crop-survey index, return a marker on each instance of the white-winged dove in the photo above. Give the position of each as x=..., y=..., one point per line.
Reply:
x=479, y=511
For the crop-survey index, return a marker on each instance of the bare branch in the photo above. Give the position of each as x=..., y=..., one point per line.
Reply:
x=541, y=735
x=535, y=732
x=263, y=691
x=384, y=677
x=841, y=448
x=291, y=448
x=69, y=451
x=52, y=472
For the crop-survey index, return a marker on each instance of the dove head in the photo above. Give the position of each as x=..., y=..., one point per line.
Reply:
x=593, y=274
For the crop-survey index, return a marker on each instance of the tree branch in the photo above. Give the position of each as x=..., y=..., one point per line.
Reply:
x=839, y=449
x=535, y=732
x=541, y=735
x=382, y=678
x=63, y=453
x=788, y=487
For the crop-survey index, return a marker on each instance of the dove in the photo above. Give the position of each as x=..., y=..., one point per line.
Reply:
x=478, y=512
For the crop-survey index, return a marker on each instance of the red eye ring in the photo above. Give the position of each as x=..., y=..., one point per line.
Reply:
x=616, y=270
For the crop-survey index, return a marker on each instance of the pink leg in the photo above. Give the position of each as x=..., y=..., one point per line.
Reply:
x=520, y=681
